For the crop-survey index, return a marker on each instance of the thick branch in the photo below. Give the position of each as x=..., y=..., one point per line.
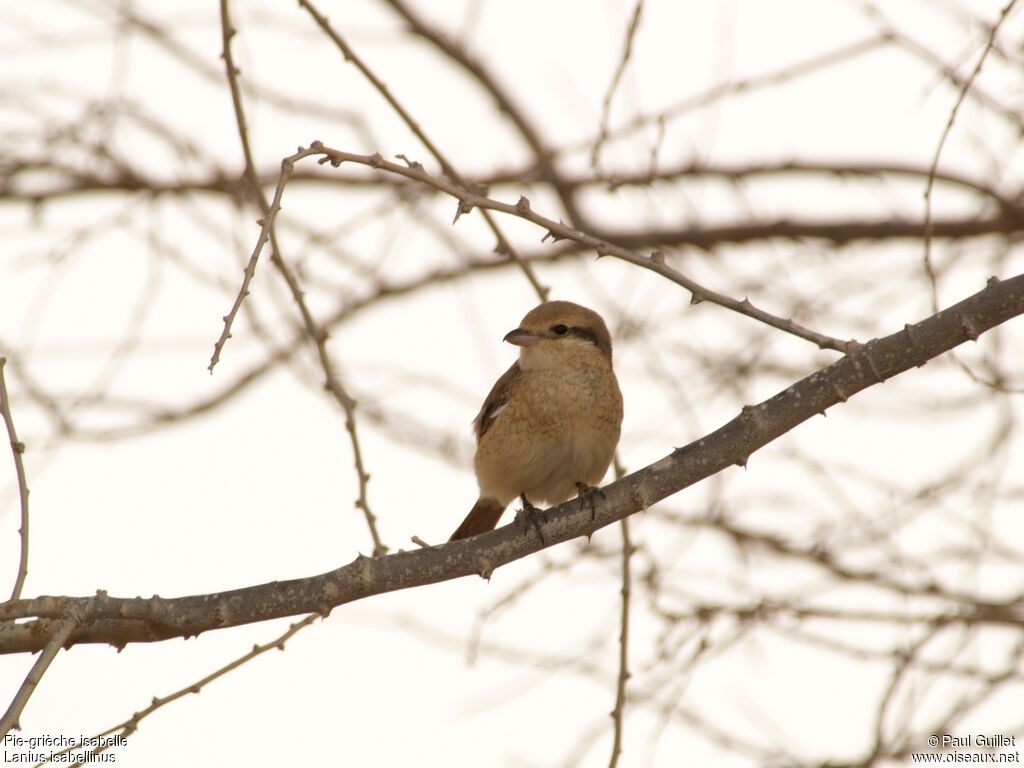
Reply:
x=121, y=620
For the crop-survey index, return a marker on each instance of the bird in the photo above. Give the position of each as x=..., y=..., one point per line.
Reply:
x=550, y=425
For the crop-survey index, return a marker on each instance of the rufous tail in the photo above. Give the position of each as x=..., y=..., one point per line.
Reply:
x=483, y=517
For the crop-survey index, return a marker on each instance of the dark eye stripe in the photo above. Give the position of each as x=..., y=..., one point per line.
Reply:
x=584, y=333
x=599, y=340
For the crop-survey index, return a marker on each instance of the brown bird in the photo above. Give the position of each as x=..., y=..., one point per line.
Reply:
x=549, y=427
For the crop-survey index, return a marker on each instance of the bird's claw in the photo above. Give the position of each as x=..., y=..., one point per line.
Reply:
x=531, y=517
x=587, y=494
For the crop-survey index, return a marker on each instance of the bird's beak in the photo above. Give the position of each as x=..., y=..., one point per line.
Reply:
x=521, y=338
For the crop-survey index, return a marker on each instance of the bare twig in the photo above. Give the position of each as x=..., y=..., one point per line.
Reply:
x=558, y=230
x=902, y=667
x=74, y=614
x=715, y=94
x=503, y=246
x=508, y=106
x=168, y=38
x=618, y=714
x=949, y=71
x=928, y=266
x=17, y=448
x=266, y=227
x=606, y=106
x=131, y=725
x=316, y=332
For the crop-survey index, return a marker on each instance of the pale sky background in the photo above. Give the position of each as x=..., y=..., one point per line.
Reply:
x=263, y=489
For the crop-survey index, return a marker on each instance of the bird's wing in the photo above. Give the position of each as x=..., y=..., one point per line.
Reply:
x=496, y=400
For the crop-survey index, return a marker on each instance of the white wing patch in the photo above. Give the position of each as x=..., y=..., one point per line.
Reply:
x=493, y=415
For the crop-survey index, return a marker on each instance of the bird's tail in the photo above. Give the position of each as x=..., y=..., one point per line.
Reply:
x=483, y=517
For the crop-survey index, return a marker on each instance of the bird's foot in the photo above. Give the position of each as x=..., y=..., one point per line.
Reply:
x=587, y=494
x=531, y=517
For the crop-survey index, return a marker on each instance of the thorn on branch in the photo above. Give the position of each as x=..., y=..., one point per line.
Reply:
x=968, y=327
x=464, y=206
x=909, y=330
x=658, y=256
x=522, y=205
x=862, y=351
x=839, y=393
x=751, y=415
x=642, y=496
x=414, y=164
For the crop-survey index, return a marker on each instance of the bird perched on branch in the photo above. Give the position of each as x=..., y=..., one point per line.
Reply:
x=549, y=427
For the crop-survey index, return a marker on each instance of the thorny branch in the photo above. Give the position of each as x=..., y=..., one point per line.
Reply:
x=119, y=621
x=317, y=332
x=129, y=726
x=557, y=231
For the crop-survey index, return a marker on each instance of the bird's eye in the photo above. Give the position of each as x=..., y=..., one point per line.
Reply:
x=561, y=330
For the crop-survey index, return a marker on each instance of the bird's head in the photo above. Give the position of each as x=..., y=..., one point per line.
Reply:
x=558, y=333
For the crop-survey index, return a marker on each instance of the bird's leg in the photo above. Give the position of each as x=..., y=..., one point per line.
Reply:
x=531, y=517
x=587, y=494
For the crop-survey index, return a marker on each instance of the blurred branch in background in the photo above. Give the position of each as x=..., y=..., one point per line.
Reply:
x=871, y=557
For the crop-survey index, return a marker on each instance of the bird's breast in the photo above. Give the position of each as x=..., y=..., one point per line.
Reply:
x=564, y=400
x=558, y=428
